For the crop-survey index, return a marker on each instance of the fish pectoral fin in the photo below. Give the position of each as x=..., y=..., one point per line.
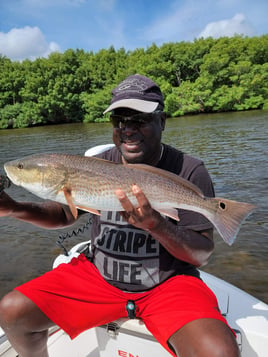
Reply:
x=91, y=210
x=169, y=212
x=69, y=199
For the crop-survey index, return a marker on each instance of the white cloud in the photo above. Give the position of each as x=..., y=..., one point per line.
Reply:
x=27, y=42
x=238, y=25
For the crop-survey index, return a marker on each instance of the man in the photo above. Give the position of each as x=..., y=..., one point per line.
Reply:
x=138, y=255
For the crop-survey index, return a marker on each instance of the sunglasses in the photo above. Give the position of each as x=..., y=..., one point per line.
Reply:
x=136, y=120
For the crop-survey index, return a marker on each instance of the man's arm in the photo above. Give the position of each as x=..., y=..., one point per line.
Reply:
x=47, y=214
x=183, y=243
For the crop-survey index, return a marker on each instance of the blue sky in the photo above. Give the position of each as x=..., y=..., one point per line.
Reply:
x=35, y=28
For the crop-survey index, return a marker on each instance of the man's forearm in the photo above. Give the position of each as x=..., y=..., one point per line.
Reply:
x=184, y=244
x=49, y=215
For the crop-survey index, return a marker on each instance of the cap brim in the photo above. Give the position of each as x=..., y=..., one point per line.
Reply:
x=136, y=104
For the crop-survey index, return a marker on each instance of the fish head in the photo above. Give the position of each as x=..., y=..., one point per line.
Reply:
x=38, y=174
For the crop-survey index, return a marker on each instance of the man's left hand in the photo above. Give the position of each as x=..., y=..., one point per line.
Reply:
x=143, y=216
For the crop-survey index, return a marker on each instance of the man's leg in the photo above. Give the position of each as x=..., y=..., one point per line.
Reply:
x=25, y=325
x=183, y=315
x=203, y=338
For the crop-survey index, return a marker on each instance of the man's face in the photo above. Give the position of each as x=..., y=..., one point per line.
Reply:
x=138, y=135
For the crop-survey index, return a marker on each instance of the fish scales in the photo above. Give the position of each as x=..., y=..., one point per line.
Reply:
x=96, y=184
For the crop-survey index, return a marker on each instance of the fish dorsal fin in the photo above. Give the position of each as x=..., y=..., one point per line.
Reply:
x=167, y=175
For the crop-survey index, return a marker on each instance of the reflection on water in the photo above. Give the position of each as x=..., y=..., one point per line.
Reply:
x=234, y=148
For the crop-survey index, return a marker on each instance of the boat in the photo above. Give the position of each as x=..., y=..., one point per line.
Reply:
x=247, y=315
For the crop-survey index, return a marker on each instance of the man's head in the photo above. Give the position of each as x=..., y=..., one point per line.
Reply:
x=138, y=119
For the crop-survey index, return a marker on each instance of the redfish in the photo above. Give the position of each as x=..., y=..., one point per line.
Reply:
x=90, y=183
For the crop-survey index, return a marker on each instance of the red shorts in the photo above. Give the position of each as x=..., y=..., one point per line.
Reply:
x=76, y=297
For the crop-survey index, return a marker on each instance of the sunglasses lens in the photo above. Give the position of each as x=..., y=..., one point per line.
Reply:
x=115, y=120
x=137, y=120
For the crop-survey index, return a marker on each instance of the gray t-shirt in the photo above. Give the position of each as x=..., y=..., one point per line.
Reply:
x=130, y=258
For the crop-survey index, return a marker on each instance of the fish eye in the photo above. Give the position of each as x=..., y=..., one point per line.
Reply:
x=222, y=205
x=20, y=165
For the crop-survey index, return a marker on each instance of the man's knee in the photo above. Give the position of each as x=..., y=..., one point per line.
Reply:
x=205, y=337
x=17, y=309
x=220, y=346
x=12, y=307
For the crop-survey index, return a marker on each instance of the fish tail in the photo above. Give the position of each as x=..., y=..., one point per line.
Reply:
x=229, y=217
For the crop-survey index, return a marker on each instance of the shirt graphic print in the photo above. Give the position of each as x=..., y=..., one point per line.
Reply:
x=126, y=254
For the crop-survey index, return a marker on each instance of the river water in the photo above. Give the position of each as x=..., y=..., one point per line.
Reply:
x=234, y=147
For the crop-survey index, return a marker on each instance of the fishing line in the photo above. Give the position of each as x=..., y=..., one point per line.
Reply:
x=74, y=233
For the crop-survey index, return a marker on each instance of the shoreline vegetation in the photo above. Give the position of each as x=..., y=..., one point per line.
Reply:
x=204, y=76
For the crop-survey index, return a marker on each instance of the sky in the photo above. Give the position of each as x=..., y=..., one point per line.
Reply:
x=35, y=28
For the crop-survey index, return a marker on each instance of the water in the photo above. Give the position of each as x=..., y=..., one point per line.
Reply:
x=234, y=148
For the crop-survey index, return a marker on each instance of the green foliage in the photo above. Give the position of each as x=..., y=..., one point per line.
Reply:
x=207, y=75
x=8, y=115
x=20, y=115
x=94, y=104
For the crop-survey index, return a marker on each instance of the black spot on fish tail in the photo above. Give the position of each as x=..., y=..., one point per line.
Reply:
x=222, y=205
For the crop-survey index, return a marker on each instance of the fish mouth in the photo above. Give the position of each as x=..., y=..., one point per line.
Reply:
x=8, y=170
